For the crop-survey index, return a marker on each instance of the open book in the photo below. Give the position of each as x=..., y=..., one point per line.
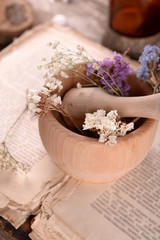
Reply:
x=66, y=209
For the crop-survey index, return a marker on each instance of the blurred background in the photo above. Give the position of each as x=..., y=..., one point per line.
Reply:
x=88, y=17
x=117, y=24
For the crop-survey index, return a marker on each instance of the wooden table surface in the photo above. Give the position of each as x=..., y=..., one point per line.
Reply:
x=89, y=17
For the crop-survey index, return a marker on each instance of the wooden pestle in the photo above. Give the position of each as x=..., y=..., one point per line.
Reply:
x=87, y=100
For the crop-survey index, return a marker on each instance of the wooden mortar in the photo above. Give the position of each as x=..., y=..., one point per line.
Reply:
x=86, y=159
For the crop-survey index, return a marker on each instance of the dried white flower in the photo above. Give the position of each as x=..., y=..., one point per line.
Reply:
x=112, y=114
x=108, y=127
x=56, y=100
x=45, y=91
x=34, y=109
x=112, y=140
x=55, y=44
x=53, y=84
x=7, y=161
x=33, y=96
x=80, y=48
x=39, y=66
x=49, y=44
x=64, y=74
x=43, y=59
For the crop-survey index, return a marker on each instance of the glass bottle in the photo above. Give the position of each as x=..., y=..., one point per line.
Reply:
x=137, y=18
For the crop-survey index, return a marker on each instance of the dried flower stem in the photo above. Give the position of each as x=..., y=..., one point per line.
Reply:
x=96, y=84
x=113, y=82
x=64, y=111
x=19, y=117
x=6, y=159
x=156, y=88
x=136, y=119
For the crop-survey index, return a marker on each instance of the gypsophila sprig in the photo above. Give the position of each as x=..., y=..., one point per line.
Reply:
x=108, y=126
x=109, y=74
x=149, y=69
x=7, y=161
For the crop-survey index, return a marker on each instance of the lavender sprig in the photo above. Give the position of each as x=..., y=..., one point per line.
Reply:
x=113, y=73
x=150, y=66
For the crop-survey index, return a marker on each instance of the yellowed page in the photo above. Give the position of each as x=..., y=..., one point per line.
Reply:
x=18, y=72
x=127, y=209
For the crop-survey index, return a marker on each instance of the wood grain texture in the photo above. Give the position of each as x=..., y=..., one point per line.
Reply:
x=15, y=17
x=91, y=18
x=85, y=158
x=88, y=100
x=8, y=232
x=84, y=16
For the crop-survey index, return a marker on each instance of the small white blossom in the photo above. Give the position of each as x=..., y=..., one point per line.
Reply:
x=112, y=114
x=49, y=44
x=64, y=74
x=33, y=108
x=130, y=126
x=95, y=66
x=102, y=137
x=43, y=59
x=56, y=100
x=8, y=162
x=45, y=91
x=33, y=100
x=53, y=84
x=125, y=127
x=45, y=75
x=80, y=48
x=70, y=66
x=100, y=112
x=79, y=85
x=33, y=96
x=112, y=140
x=39, y=66
x=55, y=44
x=57, y=55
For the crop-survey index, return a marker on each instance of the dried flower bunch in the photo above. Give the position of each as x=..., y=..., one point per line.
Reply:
x=112, y=74
x=109, y=74
x=149, y=70
x=7, y=161
x=108, y=126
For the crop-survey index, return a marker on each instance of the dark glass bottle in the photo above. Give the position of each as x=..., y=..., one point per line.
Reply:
x=138, y=18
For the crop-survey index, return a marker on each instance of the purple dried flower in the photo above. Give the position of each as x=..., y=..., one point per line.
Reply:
x=143, y=72
x=113, y=73
x=149, y=62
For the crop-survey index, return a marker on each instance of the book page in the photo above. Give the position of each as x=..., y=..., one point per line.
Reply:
x=127, y=209
x=18, y=72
